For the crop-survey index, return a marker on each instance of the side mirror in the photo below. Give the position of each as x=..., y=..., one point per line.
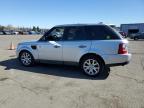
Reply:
x=50, y=38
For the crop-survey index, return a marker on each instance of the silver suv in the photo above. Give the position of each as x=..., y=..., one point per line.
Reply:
x=92, y=47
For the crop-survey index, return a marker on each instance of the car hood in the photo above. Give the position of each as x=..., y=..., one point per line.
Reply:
x=28, y=42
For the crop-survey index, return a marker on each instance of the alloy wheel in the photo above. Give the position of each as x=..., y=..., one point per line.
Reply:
x=26, y=58
x=91, y=67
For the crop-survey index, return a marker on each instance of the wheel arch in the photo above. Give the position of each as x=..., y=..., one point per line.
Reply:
x=94, y=54
x=32, y=61
x=23, y=50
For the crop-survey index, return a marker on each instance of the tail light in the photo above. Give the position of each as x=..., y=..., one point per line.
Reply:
x=122, y=49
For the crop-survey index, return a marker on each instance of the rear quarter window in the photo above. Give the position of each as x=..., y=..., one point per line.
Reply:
x=102, y=33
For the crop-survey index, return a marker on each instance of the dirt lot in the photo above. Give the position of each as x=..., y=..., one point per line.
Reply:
x=51, y=86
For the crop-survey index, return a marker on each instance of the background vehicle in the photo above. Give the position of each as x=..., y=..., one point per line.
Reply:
x=14, y=33
x=6, y=32
x=131, y=36
x=138, y=36
x=92, y=47
x=32, y=33
x=1, y=33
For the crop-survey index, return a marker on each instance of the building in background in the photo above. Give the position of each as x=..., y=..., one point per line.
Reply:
x=132, y=28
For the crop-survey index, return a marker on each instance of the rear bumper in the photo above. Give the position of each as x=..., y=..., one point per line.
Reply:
x=117, y=60
x=118, y=64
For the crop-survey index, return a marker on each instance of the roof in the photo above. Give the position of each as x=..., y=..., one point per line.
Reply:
x=69, y=25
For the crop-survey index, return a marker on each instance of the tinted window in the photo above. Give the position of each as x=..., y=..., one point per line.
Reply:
x=102, y=33
x=75, y=33
x=55, y=34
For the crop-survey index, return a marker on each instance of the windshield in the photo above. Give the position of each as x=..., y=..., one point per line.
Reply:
x=44, y=36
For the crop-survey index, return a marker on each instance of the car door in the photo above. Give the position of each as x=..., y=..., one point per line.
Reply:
x=50, y=46
x=75, y=44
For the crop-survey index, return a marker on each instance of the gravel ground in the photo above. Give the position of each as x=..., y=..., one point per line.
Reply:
x=54, y=86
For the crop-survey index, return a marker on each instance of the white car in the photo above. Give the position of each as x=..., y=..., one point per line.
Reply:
x=92, y=47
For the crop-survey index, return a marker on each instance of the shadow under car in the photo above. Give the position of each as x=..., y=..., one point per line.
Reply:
x=55, y=70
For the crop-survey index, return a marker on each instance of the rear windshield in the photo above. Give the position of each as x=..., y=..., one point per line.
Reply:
x=102, y=33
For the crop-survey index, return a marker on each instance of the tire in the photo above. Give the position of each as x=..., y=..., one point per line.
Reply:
x=135, y=38
x=92, y=65
x=26, y=58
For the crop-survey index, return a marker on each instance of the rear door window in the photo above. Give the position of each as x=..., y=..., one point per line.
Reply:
x=75, y=33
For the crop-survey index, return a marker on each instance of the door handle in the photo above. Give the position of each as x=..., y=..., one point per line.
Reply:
x=82, y=46
x=56, y=46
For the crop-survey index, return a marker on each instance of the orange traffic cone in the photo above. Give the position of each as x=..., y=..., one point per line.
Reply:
x=12, y=47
